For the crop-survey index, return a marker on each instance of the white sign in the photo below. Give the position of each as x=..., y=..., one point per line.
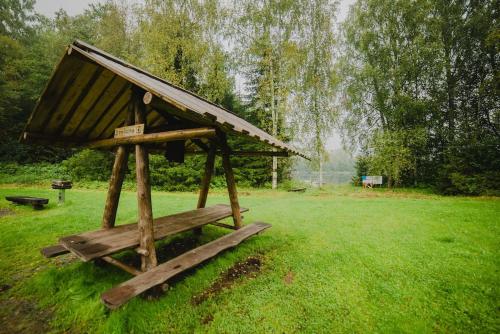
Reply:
x=373, y=180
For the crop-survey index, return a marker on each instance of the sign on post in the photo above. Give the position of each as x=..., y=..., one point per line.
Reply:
x=129, y=131
x=369, y=181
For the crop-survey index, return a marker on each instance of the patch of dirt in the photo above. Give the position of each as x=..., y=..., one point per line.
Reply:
x=248, y=268
x=446, y=239
x=5, y=287
x=23, y=316
x=288, y=279
x=6, y=212
x=207, y=319
x=65, y=260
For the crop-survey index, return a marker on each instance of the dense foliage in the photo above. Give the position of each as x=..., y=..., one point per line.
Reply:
x=421, y=91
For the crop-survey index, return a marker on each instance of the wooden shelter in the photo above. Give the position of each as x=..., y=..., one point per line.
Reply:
x=95, y=100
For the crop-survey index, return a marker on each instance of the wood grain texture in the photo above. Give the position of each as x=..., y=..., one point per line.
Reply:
x=121, y=265
x=150, y=138
x=207, y=177
x=53, y=251
x=98, y=243
x=116, y=181
x=231, y=183
x=145, y=224
x=205, y=181
x=122, y=293
x=87, y=103
x=115, y=187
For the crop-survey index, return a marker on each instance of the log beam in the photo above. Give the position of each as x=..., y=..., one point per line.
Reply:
x=231, y=183
x=247, y=153
x=116, y=181
x=160, y=137
x=205, y=182
x=121, y=265
x=145, y=224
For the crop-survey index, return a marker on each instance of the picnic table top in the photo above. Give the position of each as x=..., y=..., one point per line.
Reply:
x=103, y=242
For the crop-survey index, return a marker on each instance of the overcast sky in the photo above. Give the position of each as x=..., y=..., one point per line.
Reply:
x=73, y=7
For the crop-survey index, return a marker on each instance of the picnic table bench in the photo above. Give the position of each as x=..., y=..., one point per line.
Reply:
x=95, y=244
x=36, y=202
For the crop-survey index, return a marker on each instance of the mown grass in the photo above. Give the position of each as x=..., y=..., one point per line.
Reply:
x=344, y=260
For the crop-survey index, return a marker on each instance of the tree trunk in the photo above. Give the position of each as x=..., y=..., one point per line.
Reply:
x=275, y=129
x=320, y=172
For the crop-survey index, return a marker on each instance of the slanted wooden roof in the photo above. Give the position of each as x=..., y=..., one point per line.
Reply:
x=90, y=90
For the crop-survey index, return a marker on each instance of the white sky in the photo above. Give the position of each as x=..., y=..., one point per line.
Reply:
x=74, y=7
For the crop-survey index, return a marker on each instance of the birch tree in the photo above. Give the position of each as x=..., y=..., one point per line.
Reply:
x=316, y=94
x=263, y=32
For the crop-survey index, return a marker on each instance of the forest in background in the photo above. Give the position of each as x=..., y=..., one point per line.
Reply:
x=412, y=85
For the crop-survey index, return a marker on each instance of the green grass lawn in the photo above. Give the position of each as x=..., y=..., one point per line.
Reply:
x=345, y=260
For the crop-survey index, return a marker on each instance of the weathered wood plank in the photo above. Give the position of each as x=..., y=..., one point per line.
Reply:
x=122, y=293
x=36, y=202
x=88, y=102
x=64, y=74
x=117, y=109
x=53, y=251
x=94, y=244
x=73, y=96
x=106, y=100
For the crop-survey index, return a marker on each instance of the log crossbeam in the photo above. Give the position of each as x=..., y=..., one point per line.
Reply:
x=121, y=265
x=153, y=138
x=246, y=153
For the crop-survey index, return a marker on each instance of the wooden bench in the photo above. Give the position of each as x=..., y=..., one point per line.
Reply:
x=36, y=202
x=120, y=294
x=99, y=243
x=297, y=190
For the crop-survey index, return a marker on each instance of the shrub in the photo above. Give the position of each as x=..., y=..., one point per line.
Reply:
x=89, y=165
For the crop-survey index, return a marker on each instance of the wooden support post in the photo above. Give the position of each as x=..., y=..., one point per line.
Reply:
x=145, y=224
x=116, y=181
x=205, y=182
x=231, y=184
x=121, y=265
